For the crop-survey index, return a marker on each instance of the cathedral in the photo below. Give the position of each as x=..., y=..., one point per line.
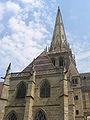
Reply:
x=49, y=88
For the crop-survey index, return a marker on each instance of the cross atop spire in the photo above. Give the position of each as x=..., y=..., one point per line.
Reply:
x=58, y=8
x=59, y=38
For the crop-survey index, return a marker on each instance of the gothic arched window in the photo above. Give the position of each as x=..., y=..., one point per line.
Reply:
x=53, y=61
x=45, y=89
x=40, y=116
x=61, y=62
x=75, y=81
x=12, y=117
x=21, y=92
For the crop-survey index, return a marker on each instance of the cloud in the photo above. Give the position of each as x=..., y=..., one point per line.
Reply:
x=13, y=7
x=28, y=1
x=33, y=30
x=78, y=43
x=1, y=27
x=6, y=7
x=83, y=55
x=17, y=25
x=80, y=46
x=34, y=3
x=83, y=61
x=1, y=11
x=22, y=45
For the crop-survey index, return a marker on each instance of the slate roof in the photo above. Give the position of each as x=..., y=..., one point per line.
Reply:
x=41, y=63
x=87, y=75
x=85, y=79
x=1, y=87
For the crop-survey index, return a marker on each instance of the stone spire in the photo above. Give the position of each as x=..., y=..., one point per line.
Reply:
x=59, y=38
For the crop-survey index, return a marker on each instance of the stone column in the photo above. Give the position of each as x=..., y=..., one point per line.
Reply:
x=30, y=98
x=64, y=98
x=65, y=88
x=5, y=92
x=71, y=104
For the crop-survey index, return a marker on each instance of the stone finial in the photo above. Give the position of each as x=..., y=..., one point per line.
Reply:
x=65, y=73
x=45, y=49
x=8, y=69
x=58, y=9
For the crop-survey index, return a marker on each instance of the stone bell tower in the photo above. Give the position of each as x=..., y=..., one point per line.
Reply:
x=59, y=44
x=59, y=54
x=63, y=60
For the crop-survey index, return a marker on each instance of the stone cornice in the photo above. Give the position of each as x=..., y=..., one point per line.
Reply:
x=6, y=84
x=15, y=106
x=3, y=99
x=47, y=105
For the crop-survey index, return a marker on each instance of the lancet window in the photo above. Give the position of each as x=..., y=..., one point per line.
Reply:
x=40, y=116
x=21, y=92
x=12, y=117
x=45, y=89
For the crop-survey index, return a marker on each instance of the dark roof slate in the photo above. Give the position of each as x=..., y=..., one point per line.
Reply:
x=85, y=80
x=85, y=75
x=41, y=63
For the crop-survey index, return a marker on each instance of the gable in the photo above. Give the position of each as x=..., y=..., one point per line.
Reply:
x=42, y=63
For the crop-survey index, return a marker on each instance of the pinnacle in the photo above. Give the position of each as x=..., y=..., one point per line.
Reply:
x=58, y=9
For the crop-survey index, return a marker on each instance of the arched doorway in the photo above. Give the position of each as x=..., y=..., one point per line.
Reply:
x=40, y=115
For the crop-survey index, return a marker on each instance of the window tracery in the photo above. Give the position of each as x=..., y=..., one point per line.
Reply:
x=12, y=117
x=45, y=90
x=21, y=92
x=40, y=116
x=75, y=81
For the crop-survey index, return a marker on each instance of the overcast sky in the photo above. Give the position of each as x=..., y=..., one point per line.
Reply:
x=26, y=28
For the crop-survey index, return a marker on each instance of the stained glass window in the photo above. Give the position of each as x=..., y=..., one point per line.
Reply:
x=21, y=92
x=45, y=90
x=12, y=117
x=40, y=116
